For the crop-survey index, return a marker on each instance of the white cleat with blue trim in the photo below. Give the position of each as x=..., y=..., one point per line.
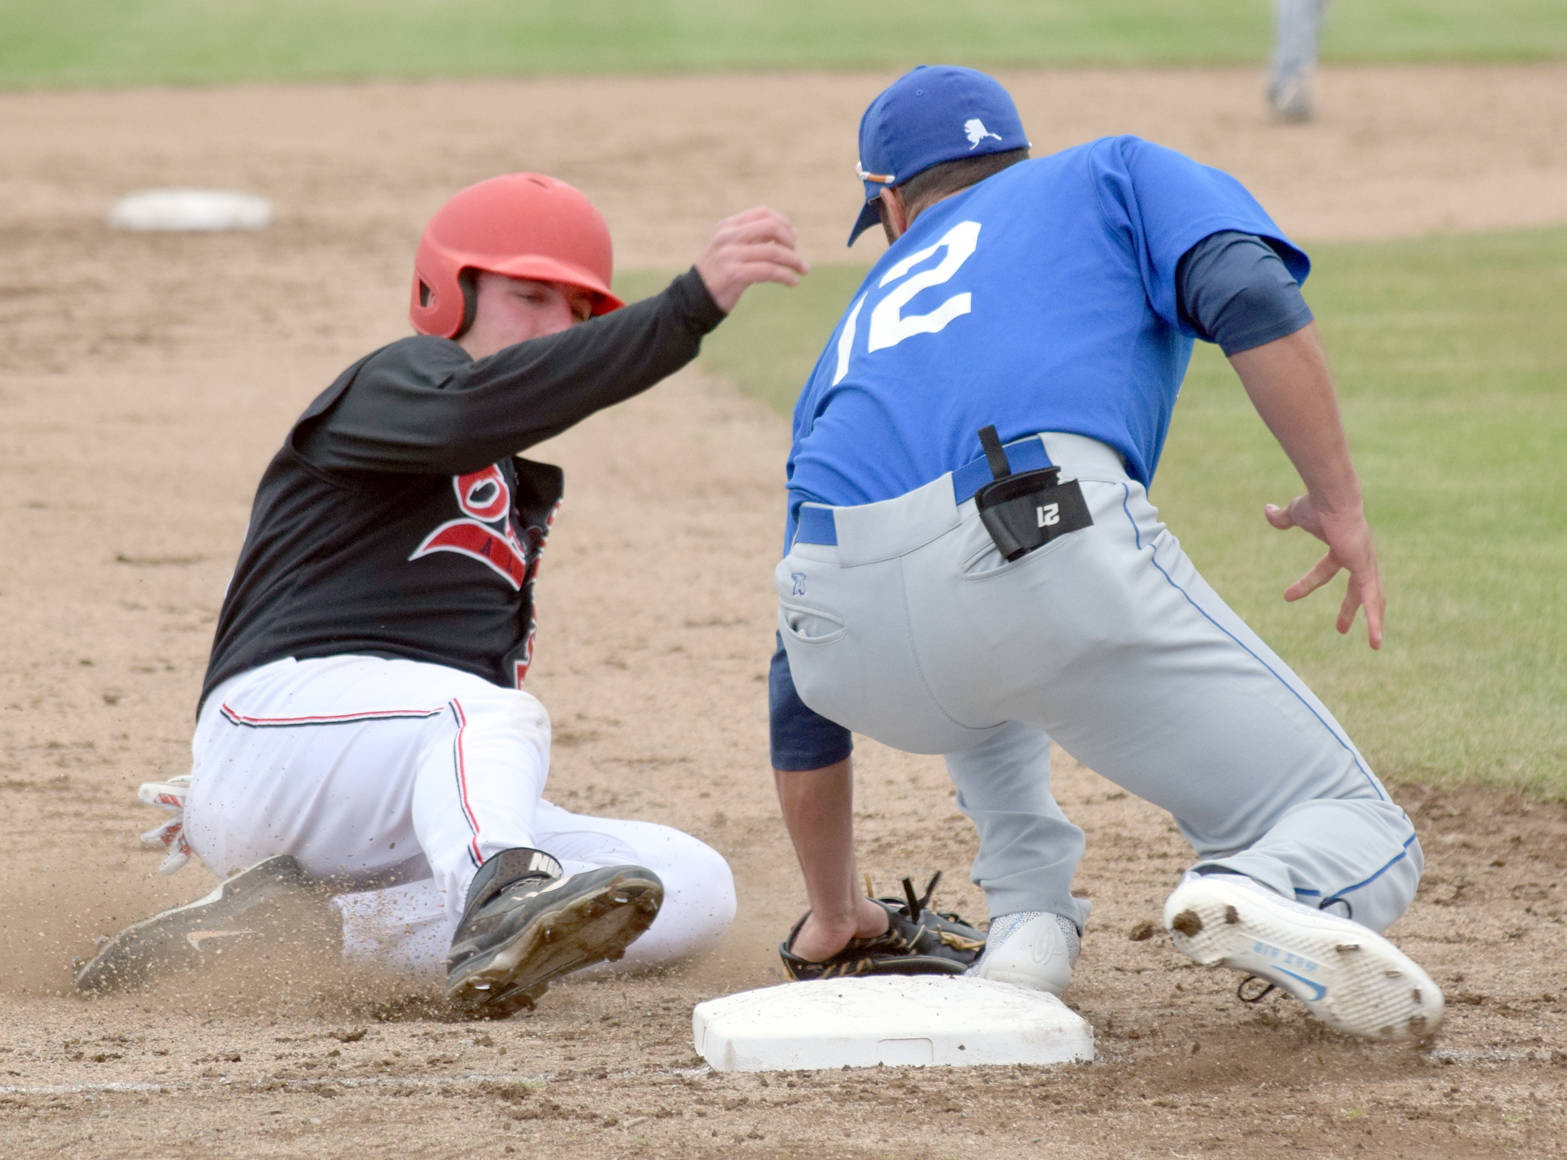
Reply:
x=1346, y=974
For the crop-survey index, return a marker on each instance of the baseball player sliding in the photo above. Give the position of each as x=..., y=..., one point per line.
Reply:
x=363, y=744
x=973, y=566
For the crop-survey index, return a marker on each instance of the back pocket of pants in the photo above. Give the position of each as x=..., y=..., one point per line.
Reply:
x=988, y=561
x=809, y=625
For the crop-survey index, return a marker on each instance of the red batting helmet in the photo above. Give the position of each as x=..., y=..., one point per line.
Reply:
x=524, y=225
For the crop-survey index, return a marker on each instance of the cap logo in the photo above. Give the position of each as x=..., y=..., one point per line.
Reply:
x=974, y=129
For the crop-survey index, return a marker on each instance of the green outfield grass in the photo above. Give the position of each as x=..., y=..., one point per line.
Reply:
x=1455, y=396
x=132, y=42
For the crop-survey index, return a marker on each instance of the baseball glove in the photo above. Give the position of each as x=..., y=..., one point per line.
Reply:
x=919, y=941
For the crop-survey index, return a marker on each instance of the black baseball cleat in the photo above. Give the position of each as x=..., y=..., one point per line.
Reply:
x=1346, y=974
x=527, y=923
x=270, y=906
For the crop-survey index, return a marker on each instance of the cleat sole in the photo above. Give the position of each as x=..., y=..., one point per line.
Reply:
x=1361, y=985
x=576, y=932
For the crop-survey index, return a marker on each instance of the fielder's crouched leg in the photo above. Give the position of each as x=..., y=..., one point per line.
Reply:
x=527, y=922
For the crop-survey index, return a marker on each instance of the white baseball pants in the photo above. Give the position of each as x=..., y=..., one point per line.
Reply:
x=396, y=780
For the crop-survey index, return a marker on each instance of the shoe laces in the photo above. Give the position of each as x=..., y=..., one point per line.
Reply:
x=1247, y=992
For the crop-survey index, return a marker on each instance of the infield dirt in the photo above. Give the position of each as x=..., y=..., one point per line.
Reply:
x=147, y=379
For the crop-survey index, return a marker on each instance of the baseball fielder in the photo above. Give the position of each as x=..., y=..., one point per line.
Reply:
x=973, y=566
x=362, y=730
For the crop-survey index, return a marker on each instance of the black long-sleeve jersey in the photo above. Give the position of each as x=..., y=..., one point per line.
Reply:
x=398, y=519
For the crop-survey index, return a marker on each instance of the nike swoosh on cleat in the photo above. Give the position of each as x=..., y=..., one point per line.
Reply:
x=1316, y=987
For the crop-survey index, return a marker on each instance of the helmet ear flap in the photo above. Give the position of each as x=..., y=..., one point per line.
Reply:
x=467, y=282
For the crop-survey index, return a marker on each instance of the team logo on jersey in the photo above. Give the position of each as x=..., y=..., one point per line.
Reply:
x=974, y=129
x=487, y=535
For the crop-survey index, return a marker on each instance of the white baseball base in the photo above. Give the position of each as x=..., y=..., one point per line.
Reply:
x=892, y=1020
x=190, y=209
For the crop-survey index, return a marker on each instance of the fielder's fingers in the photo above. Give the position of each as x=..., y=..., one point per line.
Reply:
x=1277, y=516
x=1348, y=607
x=1368, y=595
x=1321, y=572
x=1353, y=602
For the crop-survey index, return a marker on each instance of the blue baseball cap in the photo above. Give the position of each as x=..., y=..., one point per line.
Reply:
x=931, y=114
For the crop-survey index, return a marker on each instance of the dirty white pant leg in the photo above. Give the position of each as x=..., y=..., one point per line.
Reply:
x=699, y=891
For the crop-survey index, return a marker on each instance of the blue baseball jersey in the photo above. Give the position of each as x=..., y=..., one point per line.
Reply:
x=1043, y=298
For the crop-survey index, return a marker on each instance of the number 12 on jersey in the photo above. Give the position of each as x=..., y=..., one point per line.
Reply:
x=889, y=325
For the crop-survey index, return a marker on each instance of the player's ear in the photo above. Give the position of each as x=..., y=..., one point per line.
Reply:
x=894, y=214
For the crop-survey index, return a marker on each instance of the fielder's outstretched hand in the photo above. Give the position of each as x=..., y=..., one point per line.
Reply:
x=1348, y=538
x=750, y=247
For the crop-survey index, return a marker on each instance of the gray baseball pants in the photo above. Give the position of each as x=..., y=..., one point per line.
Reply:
x=913, y=630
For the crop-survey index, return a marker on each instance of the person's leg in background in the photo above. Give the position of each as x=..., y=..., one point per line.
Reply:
x=1297, y=27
